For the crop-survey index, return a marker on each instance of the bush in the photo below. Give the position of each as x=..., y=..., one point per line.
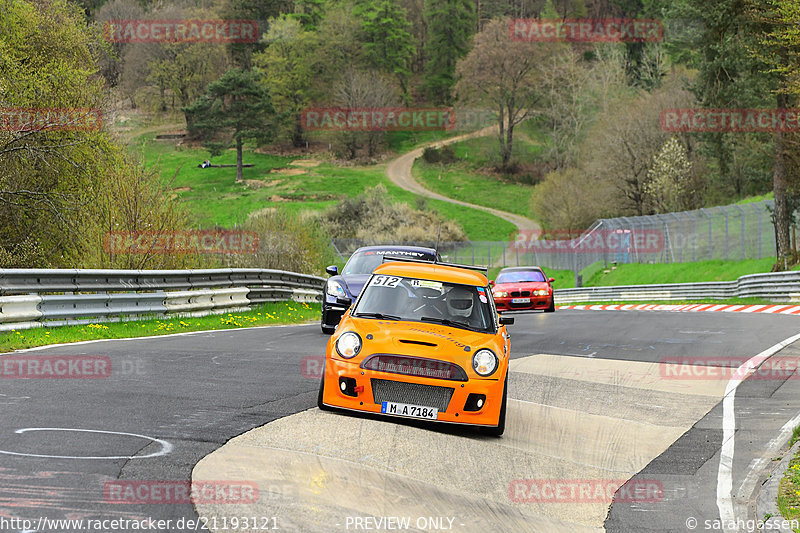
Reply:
x=286, y=242
x=373, y=217
x=445, y=155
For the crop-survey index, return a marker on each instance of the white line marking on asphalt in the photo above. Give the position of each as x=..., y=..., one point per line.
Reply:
x=166, y=447
x=727, y=513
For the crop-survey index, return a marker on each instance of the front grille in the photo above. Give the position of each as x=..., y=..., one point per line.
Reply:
x=414, y=366
x=519, y=306
x=517, y=294
x=384, y=390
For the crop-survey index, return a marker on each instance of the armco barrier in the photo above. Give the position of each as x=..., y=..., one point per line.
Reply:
x=52, y=297
x=776, y=287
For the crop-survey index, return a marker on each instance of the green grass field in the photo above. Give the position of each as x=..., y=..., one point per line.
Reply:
x=468, y=180
x=643, y=274
x=261, y=315
x=214, y=198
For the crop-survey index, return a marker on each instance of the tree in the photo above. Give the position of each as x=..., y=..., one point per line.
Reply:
x=451, y=24
x=258, y=10
x=667, y=179
x=358, y=90
x=387, y=40
x=779, y=51
x=289, y=65
x=233, y=109
x=620, y=147
x=511, y=77
x=63, y=181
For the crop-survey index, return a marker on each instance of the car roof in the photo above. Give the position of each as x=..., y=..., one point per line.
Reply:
x=520, y=269
x=433, y=272
x=430, y=251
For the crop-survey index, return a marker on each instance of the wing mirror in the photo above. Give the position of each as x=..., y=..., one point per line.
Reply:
x=344, y=302
x=551, y=280
x=491, y=283
x=506, y=320
x=332, y=270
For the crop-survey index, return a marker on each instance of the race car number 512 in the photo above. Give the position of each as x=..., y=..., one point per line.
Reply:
x=415, y=411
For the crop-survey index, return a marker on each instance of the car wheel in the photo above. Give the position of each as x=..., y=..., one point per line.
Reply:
x=322, y=406
x=501, y=421
x=552, y=308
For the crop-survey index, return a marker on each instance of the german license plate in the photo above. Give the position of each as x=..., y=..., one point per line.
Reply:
x=414, y=411
x=520, y=300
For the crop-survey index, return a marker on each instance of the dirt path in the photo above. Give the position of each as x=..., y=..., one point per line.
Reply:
x=399, y=171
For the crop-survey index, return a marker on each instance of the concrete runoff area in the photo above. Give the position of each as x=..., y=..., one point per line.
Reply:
x=572, y=422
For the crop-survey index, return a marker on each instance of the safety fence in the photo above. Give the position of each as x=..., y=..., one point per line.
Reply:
x=776, y=287
x=32, y=298
x=732, y=232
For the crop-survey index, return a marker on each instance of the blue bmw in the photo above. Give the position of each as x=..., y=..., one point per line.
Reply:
x=348, y=284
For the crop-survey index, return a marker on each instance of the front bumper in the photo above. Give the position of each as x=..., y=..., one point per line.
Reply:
x=331, y=313
x=416, y=389
x=536, y=302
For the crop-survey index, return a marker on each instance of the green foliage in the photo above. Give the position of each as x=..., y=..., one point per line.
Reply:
x=288, y=66
x=445, y=155
x=450, y=24
x=234, y=108
x=387, y=40
x=62, y=188
x=373, y=217
x=286, y=241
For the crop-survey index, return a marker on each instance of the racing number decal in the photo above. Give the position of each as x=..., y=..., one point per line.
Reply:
x=385, y=281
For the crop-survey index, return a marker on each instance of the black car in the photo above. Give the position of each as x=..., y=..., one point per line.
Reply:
x=355, y=274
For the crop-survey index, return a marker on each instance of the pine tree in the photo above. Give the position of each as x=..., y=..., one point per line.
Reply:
x=450, y=27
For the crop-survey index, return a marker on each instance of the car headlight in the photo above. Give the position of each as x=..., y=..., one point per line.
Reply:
x=541, y=292
x=348, y=344
x=334, y=289
x=500, y=294
x=484, y=362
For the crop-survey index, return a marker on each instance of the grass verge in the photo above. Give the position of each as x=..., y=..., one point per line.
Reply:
x=644, y=274
x=789, y=490
x=261, y=315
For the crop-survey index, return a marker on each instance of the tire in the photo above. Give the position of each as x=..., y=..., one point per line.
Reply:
x=552, y=308
x=501, y=422
x=322, y=406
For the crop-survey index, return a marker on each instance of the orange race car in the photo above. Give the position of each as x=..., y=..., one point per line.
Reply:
x=423, y=340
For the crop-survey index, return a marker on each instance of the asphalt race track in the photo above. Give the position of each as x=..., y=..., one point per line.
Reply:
x=592, y=406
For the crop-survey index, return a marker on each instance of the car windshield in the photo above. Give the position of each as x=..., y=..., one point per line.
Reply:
x=522, y=276
x=367, y=261
x=451, y=304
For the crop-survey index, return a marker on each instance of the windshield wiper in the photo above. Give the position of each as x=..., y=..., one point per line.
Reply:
x=380, y=316
x=451, y=323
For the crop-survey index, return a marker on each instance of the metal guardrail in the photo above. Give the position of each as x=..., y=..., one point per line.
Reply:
x=777, y=287
x=32, y=298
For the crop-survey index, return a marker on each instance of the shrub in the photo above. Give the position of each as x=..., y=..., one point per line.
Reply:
x=372, y=217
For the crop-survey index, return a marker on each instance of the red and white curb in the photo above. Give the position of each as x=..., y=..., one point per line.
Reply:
x=692, y=308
